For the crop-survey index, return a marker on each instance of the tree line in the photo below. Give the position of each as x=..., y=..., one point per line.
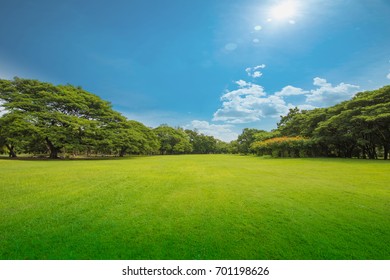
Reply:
x=357, y=128
x=40, y=118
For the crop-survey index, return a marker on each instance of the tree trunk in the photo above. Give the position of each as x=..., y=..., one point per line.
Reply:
x=122, y=152
x=53, y=149
x=370, y=151
x=11, y=152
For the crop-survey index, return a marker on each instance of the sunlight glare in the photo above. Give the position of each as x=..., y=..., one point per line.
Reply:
x=285, y=10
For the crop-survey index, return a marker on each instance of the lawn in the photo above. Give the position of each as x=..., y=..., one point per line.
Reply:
x=195, y=207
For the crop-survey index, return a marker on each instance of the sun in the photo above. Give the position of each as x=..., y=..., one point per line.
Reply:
x=285, y=10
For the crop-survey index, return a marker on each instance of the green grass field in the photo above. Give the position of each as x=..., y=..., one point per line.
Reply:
x=195, y=207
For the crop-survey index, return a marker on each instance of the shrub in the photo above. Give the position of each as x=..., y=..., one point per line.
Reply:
x=283, y=147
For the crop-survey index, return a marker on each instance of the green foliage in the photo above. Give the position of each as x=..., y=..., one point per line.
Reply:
x=290, y=124
x=233, y=147
x=203, y=144
x=173, y=141
x=246, y=138
x=16, y=133
x=41, y=117
x=359, y=127
x=222, y=147
x=283, y=147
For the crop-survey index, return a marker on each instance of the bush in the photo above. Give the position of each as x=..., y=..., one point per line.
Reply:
x=283, y=147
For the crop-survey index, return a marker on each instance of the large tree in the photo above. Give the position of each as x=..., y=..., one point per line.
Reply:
x=66, y=119
x=202, y=144
x=245, y=140
x=173, y=141
x=371, y=120
x=132, y=137
x=359, y=127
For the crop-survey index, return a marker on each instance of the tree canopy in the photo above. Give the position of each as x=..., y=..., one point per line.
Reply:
x=359, y=127
x=40, y=117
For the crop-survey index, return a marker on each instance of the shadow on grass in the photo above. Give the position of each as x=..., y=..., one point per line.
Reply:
x=97, y=158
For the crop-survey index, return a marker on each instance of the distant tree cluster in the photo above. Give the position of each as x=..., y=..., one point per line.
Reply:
x=358, y=128
x=40, y=118
x=204, y=144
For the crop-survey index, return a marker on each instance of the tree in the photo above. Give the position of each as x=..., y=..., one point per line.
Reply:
x=290, y=124
x=245, y=140
x=133, y=137
x=359, y=127
x=233, y=147
x=66, y=118
x=221, y=147
x=150, y=144
x=173, y=141
x=201, y=144
x=16, y=133
x=58, y=114
x=337, y=133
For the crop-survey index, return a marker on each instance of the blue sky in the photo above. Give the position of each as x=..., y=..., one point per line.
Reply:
x=213, y=65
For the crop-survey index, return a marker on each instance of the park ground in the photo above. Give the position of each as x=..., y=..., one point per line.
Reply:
x=195, y=207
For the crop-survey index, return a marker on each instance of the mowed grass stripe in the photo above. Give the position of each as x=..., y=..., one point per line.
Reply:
x=195, y=207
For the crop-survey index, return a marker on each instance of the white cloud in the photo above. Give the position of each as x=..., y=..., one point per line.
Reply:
x=254, y=71
x=236, y=115
x=220, y=131
x=257, y=74
x=328, y=95
x=261, y=66
x=321, y=82
x=242, y=83
x=258, y=27
x=291, y=91
x=249, y=103
x=388, y=76
x=256, y=41
x=305, y=107
x=245, y=89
